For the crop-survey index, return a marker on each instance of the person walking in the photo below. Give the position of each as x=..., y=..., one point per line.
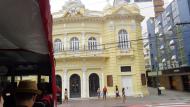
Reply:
x=123, y=95
x=104, y=92
x=117, y=91
x=66, y=96
x=98, y=93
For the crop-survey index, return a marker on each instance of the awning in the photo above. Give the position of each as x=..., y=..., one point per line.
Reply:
x=21, y=26
x=26, y=35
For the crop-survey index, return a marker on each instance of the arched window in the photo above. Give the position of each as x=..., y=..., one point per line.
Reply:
x=92, y=43
x=74, y=44
x=123, y=39
x=58, y=45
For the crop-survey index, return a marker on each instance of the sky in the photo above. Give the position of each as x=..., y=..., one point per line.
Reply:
x=56, y=5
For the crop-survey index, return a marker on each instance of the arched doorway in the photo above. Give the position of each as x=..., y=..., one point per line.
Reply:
x=75, y=86
x=93, y=84
x=59, y=87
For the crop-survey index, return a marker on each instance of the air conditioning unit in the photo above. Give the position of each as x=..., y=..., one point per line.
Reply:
x=161, y=34
x=172, y=42
x=167, y=14
x=169, y=28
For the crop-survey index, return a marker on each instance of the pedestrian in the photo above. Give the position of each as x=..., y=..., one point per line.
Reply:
x=123, y=95
x=26, y=93
x=66, y=96
x=104, y=92
x=117, y=91
x=1, y=98
x=98, y=93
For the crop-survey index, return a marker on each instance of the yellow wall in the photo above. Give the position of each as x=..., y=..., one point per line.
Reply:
x=110, y=59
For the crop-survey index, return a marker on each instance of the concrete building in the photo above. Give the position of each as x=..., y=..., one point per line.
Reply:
x=93, y=49
x=173, y=49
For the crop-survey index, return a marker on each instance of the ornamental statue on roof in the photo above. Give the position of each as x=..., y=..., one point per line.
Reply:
x=76, y=9
x=73, y=8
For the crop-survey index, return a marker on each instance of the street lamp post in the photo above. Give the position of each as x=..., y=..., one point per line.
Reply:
x=157, y=77
x=157, y=68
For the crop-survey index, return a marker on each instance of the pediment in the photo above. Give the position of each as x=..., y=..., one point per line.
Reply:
x=74, y=12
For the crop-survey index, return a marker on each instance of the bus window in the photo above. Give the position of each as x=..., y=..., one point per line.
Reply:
x=19, y=78
x=44, y=78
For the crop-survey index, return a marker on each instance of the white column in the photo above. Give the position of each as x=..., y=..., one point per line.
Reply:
x=100, y=44
x=83, y=40
x=84, y=85
x=102, y=82
x=64, y=82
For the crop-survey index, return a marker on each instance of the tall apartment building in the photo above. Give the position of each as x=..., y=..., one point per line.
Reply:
x=172, y=46
x=93, y=49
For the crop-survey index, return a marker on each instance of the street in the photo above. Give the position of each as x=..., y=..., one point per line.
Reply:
x=168, y=99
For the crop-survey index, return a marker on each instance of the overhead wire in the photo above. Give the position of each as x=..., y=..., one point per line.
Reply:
x=69, y=52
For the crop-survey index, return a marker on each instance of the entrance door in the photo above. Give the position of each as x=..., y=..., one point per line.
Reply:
x=75, y=86
x=127, y=83
x=185, y=81
x=172, y=81
x=93, y=84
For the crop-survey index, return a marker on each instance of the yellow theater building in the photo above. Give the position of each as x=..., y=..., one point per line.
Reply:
x=93, y=49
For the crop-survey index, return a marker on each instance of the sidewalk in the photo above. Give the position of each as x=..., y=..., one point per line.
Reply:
x=169, y=94
x=167, y=97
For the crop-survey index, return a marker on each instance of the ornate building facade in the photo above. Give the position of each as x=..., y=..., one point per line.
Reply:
x=94, y=49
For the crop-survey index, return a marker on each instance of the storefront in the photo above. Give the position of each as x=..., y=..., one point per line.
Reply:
x=176, y=79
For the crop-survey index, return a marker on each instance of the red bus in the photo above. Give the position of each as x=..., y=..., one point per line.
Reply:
x=26, y=45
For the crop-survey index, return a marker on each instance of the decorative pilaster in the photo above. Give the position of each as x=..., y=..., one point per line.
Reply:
x=65, y=42
x=100, y=46
x=83, y=40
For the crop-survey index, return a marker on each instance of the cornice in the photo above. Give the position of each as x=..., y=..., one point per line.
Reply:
x=97, y=19
x=77, y=19
x=117, y=16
